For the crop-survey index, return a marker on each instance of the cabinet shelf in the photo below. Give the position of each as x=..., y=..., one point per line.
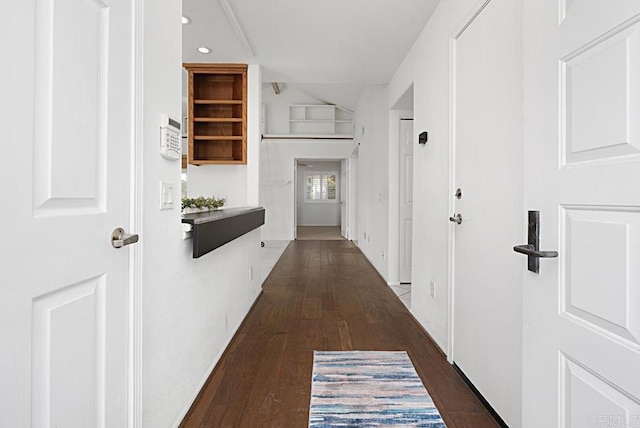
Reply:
x=220, y=102
x=217, y=138
x=217, y=161
x=219, y=119
x=217, y=114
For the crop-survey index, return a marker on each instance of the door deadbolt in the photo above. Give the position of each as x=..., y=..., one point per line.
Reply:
x=458, y=193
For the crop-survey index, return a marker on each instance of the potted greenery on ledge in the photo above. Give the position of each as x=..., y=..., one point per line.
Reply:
x=199, y=204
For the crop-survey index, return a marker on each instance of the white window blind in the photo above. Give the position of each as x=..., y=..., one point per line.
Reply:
x=320, y=187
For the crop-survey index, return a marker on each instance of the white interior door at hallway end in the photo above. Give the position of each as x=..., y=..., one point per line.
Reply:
x=406, y=199
x=486, y=276
x=581, y=343
x=344, y=218
x=64, y=292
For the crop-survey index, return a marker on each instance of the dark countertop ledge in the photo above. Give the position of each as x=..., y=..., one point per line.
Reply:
x=213, y=229
x=213, y=215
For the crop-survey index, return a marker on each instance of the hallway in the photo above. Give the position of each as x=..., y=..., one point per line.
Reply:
x=318, y=233
x=321, y=295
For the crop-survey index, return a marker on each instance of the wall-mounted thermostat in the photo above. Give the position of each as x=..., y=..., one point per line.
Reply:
x=170, y=144
x=422, y=138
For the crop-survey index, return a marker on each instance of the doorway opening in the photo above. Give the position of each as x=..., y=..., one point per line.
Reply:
x=321, y=199
x=401, y=196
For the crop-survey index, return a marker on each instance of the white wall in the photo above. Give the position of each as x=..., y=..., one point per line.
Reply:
x=277, y=190
x=277, y=106
x=229, y=181
x=325, y=213
x=426, y=66
x=190, y=307
x=254, y=134
x=372, y=135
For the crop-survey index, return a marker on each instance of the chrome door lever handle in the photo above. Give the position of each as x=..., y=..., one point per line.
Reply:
x=530, y=250
x=120, y=239
x=456, y=219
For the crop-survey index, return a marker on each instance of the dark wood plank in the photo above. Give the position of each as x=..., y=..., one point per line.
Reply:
x=322, y=295
x=473, y=420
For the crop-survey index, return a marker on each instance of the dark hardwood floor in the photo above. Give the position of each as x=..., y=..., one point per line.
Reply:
x=322, y=295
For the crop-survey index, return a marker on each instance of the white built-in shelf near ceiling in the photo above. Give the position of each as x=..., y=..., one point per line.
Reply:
x=320, y=119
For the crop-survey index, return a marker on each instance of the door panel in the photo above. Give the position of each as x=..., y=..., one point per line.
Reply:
x=407, y=231
x=486, y=277
x=68, y=74
x=597, y=96
x=601, y=283
x=68, y=332
x=406, y=199
x=589, y=398
x=64, y=288
x=582, y=171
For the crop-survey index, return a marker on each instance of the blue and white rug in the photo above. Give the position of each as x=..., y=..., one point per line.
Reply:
x=369, y=389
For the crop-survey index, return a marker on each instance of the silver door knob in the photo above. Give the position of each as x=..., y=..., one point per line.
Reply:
x=119, y=239
x=456, y=219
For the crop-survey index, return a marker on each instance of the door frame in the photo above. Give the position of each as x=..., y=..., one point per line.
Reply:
x=393, y=252
x=344, y=184
x=458, y=31
x=136, y=220
x=347, y=200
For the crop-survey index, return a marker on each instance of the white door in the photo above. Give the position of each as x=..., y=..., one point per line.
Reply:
x=406, y=199
x=581, y=355
x=344, y=173
x=296, y=199
x=353, y=196
x=67, y=98
x=487, y=278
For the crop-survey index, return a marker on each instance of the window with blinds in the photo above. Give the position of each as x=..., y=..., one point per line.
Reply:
x=320, y=187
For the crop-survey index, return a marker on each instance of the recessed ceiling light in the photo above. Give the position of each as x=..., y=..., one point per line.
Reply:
x=186, y=20
x=204, y=50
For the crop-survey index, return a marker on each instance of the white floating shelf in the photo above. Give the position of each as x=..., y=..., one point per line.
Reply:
x=320, y=120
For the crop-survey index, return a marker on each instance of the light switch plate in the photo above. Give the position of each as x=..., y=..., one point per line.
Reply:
x=167, y=196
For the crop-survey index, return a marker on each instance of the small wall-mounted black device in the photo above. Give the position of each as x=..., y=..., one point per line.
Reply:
x=422, y=138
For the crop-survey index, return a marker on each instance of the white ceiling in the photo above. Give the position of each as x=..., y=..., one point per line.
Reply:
x=328, y=48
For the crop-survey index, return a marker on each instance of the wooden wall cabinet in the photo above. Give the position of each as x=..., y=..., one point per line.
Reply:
x=217, y=107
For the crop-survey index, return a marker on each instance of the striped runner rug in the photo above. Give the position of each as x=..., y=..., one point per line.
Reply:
x=369, y=389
